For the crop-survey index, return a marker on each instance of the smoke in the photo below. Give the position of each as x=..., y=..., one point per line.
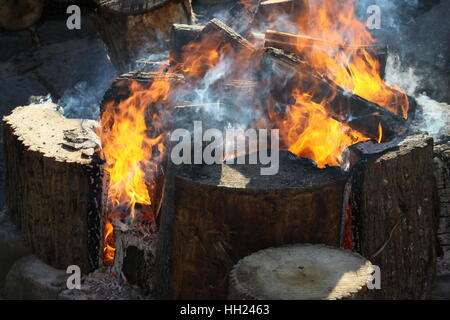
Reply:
x=434, y=117
x=400, y=75
x=417, y=39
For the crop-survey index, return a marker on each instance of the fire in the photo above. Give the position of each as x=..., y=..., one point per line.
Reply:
x=108, y=243
x=128, y=149
x=345, y=52
x=131, y=152
x=337, y=45
x=199, y=57
x=380, y=133
x=309, y=132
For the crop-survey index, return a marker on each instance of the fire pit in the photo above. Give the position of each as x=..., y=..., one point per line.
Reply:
x=133, y=195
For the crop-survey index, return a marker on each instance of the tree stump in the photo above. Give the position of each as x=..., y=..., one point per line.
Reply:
x=133, y=29
x=300, y=272
x=394, y=217
x=224, y=212
x=54, y=185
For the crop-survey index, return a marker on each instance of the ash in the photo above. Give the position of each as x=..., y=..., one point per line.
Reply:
x=102, y=284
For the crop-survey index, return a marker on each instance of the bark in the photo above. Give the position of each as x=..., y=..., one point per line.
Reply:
x=181, y=35
x=54, y=185
x=224, y=212
x=394, y=217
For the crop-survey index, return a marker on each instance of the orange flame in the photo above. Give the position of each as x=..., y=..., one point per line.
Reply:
x=380, y=133
x=309, y=132
x=109, y=250
x=345, y=52
x=132, y=147
x=127, y=146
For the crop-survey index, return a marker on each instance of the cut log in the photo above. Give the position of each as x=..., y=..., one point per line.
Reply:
x=54, y=185
x=394, y=217
x=133, y=29
x=300, y=272
x=286, y=72
x=295, y=43
x=241, y=212
x=20, y=14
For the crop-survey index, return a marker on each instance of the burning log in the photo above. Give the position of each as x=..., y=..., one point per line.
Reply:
x=241, y=211
x=54, y=185
x=181, y=35
x=287, y=73
x=295, y=43
x=120, y=88
x=394, y=223
x=272, y=8
x=300, y=272
x=127, y=27
x=222, y=34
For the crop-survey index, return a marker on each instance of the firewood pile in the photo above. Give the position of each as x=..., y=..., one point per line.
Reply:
x=111, y=198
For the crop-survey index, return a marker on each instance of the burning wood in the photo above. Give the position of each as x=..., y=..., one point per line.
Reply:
x=298, y=44
x=181, y=35
x=289, y=73
x=217, y=31
x=216, y=39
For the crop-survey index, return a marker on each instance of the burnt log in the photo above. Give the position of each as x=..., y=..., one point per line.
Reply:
x=240, y=212
x=223, y=34
x=300, y=272
x=120, y=89
x=54, y=185
x=133, y=29
x=295, y=43
x=393, y=216
x=181, y=35
x=215, y=36
x=287, y=72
